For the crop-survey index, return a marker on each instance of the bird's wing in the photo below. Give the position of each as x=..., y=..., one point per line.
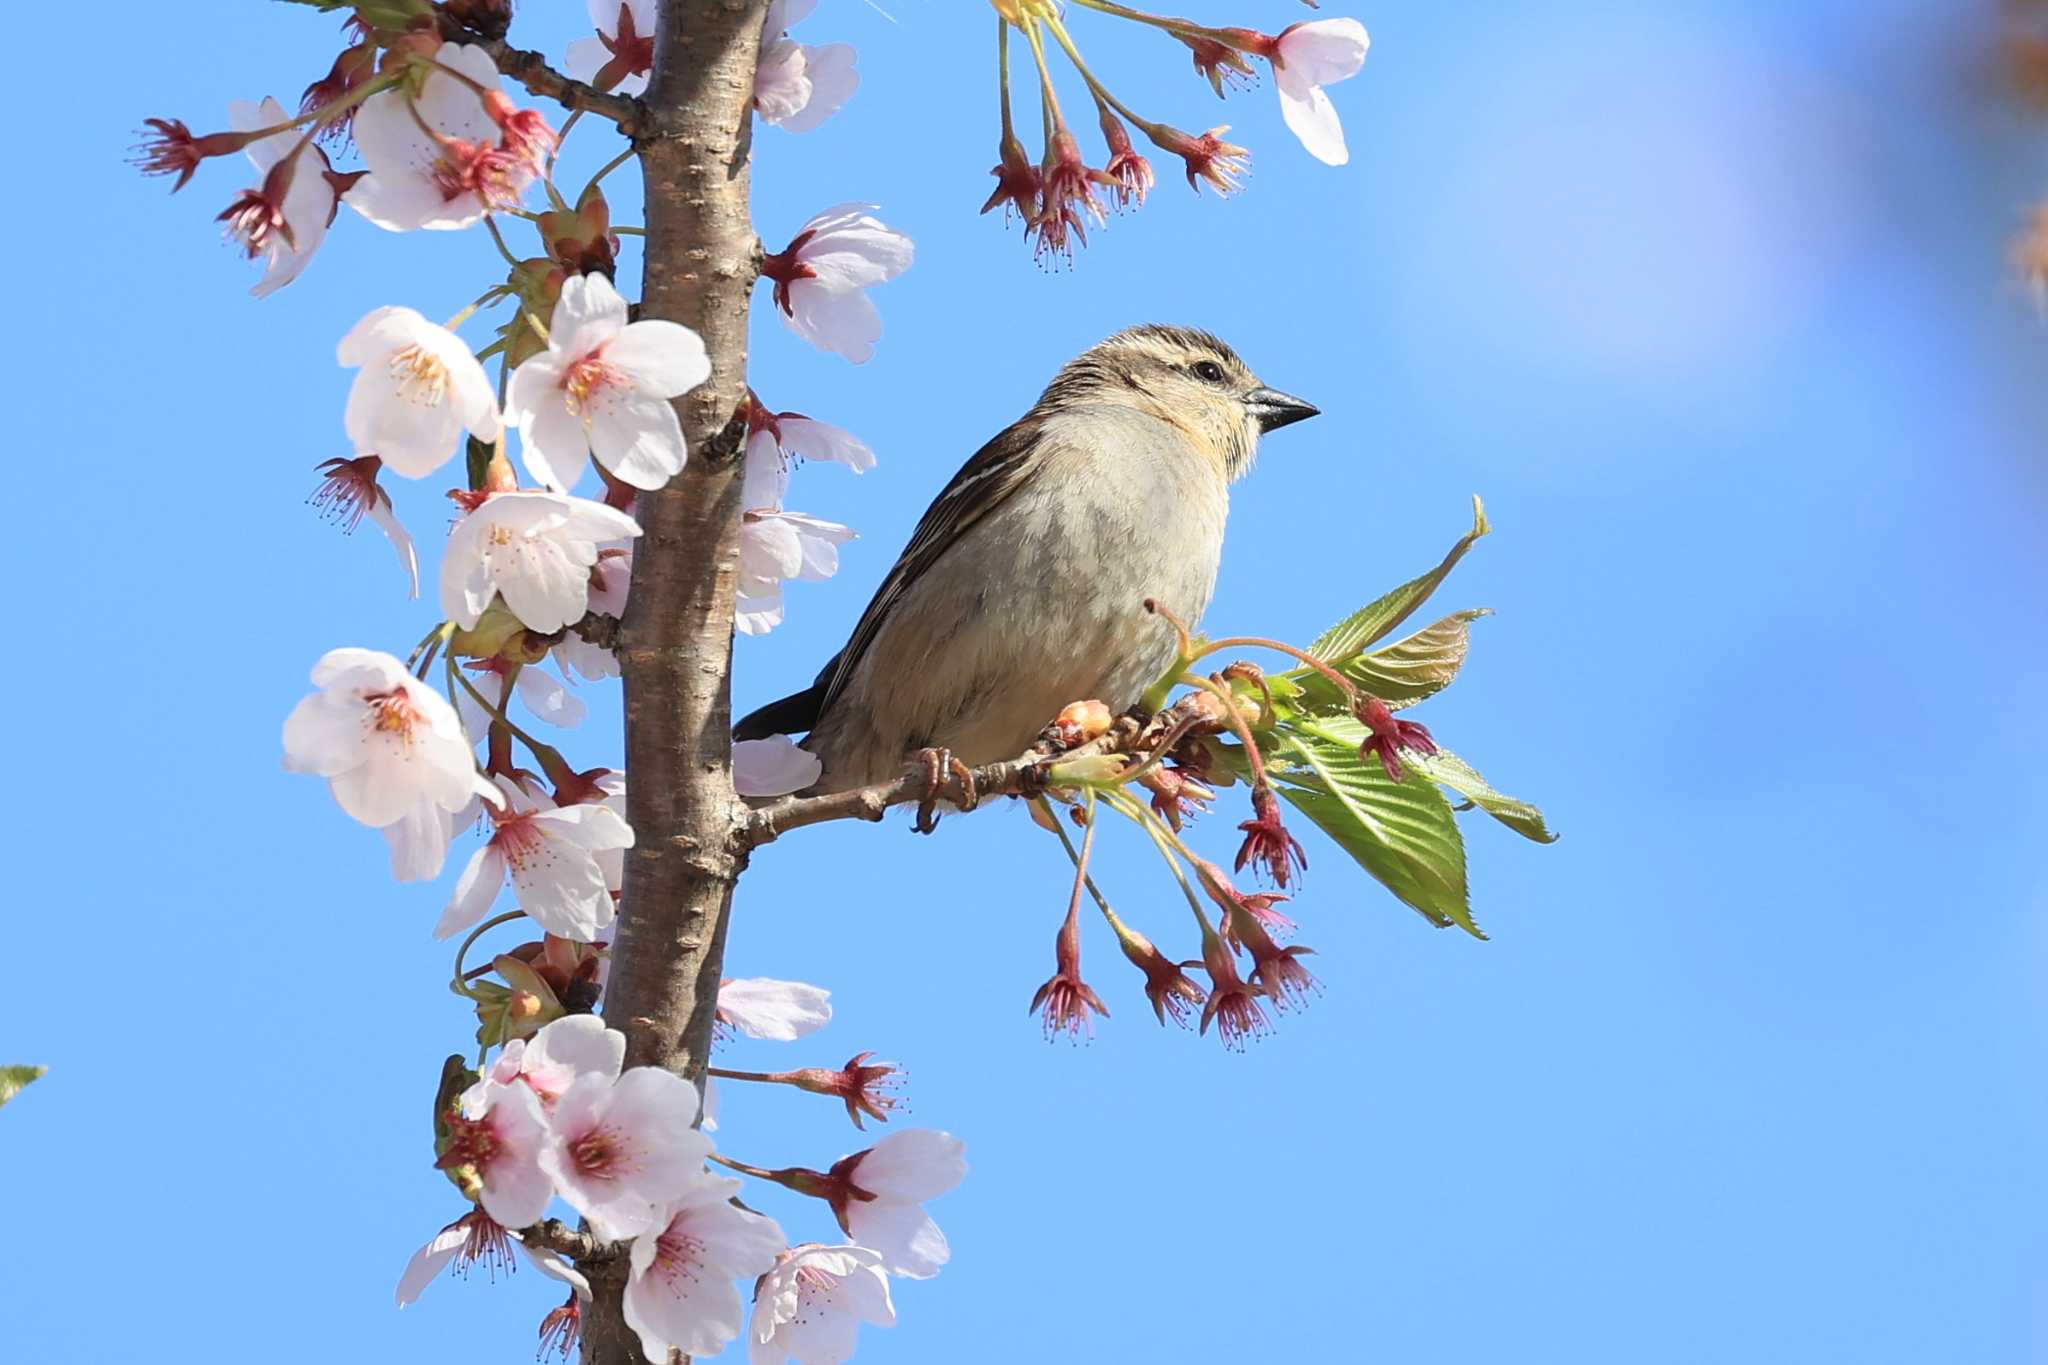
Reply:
x=990, y=475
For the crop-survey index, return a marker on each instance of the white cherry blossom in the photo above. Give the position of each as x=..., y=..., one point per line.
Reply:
x=500, y=1133
x=810, y=1306
x=680, y=1294
x=476, y=1238
x=603, y=388
x=822, y=277
x=550, y=853
x=1307, y=57
x=901, y=1172
x=795, y=85
x=776, y=1011
x=621, y=1151
x=777, y=545
x=545, y=695
x=416, y=388
x=440, y=160
x=306, y=203
x=551, y=1061
x=536, y=550
x=392, y=751
x=610, y=578
x=774, y=766
x=619, y=57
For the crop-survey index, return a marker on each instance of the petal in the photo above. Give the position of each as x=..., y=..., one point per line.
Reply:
x=772, y=767
x=844, y=323
x=777, y=1011
x=833, y=81
x=474, y=893
x=916, y=1164
x=426, y=1263
x=910, y=1243
x=589, y=313
x=816, y=440
x=1312, y=118
x=665, y=359
x=637, y=438
x=419, y=842
x=550, y=698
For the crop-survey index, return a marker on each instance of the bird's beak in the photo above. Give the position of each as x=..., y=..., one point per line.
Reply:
x=1272, y=409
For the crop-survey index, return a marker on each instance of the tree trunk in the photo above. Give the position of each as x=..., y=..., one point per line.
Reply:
x=676, y=645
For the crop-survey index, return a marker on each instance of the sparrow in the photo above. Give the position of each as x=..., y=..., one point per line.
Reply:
x=1024, y=586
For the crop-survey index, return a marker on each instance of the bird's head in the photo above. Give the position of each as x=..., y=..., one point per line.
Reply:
x=1184, y=377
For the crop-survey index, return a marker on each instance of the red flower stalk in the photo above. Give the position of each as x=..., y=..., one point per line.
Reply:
x=1130, y=175
x=1066, y=197
x=1208, y=157
x=1258, y=905
x=785, y=269
x=863, y=1088
x=257, y=214
x=1176, y=795
x=356, y=64
x=173, y=150
x=349, y=490
x=1224, y=67
x=1267, y=842
x=1018, y=183
x=1066, y=998
x=1233, y=1006
x=632, y=52
x=1389, y=735
x=561, y=1331
x=1167, y=985
x=1274, y=969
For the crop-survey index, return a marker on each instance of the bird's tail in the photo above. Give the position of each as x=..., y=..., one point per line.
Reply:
x=794, y=715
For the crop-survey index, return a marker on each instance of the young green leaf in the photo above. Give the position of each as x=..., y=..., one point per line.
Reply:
x=1377, y=619
x=1412, y=669
x=13, y=1078
x=1403, y=833
x=1447, y=769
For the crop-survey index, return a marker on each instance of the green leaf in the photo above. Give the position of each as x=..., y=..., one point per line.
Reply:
x=1403, y=833
x=1376, y=620
x=1412, y=669
x=13, y=1078
x=1447, y=769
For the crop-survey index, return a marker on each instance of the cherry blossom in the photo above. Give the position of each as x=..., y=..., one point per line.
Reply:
x=620, y=56
x=1306, y=57
x=306, y=197
x=897, y=1175
x=774, y=439
x=349, y=492
x=391, y=749
x=444, y=158
x=551, y=1061
x=602, y=388
x=775, y=545
x=610, y=578
x=775, y=1011
x=772, y=767
x=680, y=1294
x=497, y=1135
x=795, y=85
x=536, y=550
x=545, y=695
x=822, y=276
x=810, y=1306
x=620, y=1151
x=477, y=1238
x=417, y=386
x=550, y=854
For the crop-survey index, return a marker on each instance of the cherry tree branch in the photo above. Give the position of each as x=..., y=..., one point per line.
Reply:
x=1025, y=775
x=694, y=135
x=531, y=70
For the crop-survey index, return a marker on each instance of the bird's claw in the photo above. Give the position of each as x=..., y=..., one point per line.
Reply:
x=940, y=767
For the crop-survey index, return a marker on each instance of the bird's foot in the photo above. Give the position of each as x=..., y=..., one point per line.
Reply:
x=940, y=769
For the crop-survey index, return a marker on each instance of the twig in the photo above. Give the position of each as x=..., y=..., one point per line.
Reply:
x=554, y=1235
x=531, y=70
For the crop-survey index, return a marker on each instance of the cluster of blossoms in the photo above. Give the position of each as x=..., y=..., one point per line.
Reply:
x=533, y=581
x=1058, y=195
x=558, y=1115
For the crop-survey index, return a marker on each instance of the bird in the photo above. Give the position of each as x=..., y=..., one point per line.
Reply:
x=1024, y=586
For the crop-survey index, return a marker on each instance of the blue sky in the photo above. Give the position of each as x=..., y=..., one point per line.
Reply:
x=1707, y=300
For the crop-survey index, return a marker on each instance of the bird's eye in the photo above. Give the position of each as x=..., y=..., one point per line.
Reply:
x=1209, y=371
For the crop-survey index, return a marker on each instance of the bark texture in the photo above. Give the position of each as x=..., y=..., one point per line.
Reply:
x=694, y=135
